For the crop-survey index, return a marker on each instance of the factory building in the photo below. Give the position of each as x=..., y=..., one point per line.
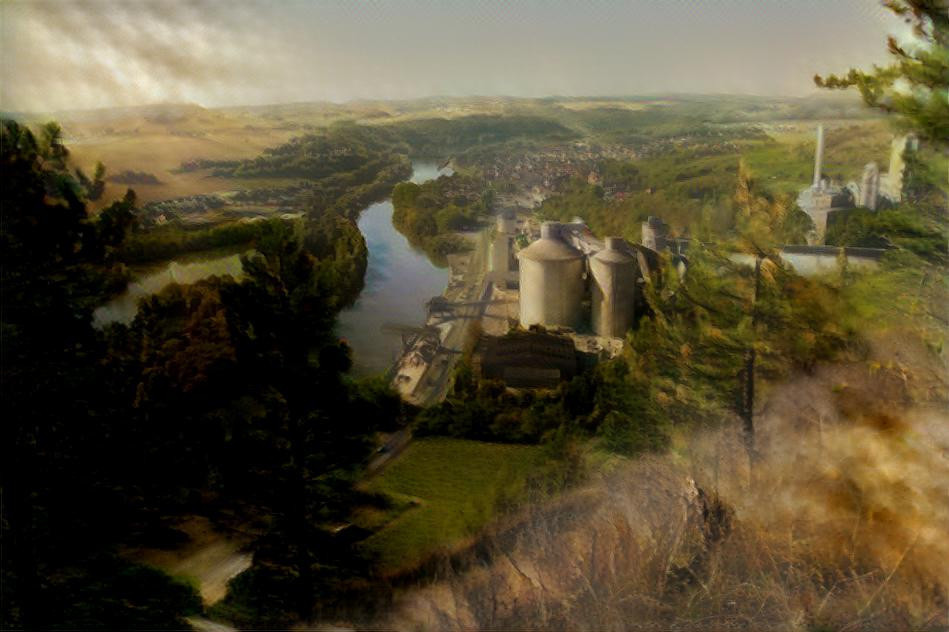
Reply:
x=502, y=263
x=891, y=184
x=569, y=278
x=654, y=232
x=526, y=359
x=869, y=191
x=823, y=197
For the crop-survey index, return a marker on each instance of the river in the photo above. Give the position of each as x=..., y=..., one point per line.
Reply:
x=399, y=280
x=122, y=309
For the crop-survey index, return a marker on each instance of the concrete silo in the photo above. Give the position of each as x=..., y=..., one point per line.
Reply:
x=615, y=273
x=501, y=260
x=654, y=233
x=551, y=280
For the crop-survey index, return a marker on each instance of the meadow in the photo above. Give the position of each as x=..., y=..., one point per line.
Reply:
x=449, y=489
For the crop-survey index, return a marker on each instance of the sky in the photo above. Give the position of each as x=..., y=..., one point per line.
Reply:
x=79, y=54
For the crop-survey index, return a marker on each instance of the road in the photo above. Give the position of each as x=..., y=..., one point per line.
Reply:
x=389, y=450
x=433, y=386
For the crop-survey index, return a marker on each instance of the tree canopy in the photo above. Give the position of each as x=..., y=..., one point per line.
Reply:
x=915, y=86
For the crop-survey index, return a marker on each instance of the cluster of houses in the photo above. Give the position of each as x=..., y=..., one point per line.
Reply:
x=546, y=170
x=195, y=210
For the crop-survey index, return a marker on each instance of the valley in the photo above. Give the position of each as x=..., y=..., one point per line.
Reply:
x=324, y=296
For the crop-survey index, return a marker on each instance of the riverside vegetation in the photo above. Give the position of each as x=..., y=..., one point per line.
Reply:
x=214, y=393
x=430, y=214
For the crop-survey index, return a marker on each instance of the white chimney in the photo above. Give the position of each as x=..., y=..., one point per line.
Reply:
x=818, y=156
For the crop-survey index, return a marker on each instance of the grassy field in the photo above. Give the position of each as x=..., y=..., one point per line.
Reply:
x=157, y=139
x=449, y=489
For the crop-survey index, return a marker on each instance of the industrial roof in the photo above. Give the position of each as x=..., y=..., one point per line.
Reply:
x=611, y=255
x=549, y=250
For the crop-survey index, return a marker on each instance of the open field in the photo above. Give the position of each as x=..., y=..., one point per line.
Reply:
x=157, y=139
x=451, y=488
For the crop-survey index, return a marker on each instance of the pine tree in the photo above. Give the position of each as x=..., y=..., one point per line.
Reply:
x=915, y=86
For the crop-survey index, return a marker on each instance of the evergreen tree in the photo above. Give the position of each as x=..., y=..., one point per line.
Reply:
x=915, y=86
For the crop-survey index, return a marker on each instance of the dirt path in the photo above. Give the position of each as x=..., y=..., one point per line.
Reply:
x=211, y=558
x=392, y=448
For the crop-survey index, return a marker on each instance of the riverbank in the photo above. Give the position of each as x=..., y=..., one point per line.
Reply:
x=422, y=373
x=399, y=281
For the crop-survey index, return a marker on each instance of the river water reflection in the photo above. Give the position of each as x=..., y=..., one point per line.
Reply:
x=122, y=309
x=399, y=280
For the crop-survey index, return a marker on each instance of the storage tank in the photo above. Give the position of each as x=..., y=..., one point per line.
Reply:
x=507, y=222
x=615, y=273
x=501, y=260
x=654, y=233
x=551, y=280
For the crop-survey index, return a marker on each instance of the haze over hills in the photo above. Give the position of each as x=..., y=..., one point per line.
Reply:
x=158, y=138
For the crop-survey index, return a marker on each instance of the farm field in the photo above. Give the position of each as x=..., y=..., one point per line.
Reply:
x=157, y=139
x=450, y=489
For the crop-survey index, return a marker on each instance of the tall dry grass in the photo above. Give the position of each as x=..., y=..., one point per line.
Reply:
x=840, y=523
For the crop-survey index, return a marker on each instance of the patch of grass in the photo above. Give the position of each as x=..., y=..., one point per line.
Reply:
x=452, y=487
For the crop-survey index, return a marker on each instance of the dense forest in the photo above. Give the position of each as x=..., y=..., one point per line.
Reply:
x=430, y=214
x=220, y=396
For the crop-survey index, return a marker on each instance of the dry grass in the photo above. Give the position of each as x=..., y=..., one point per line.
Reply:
x=841, y=524
x=158, y=139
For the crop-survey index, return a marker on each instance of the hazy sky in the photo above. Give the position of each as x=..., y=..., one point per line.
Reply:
x=69, y=54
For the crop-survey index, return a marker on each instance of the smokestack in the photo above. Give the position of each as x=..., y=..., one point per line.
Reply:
x=818, y=155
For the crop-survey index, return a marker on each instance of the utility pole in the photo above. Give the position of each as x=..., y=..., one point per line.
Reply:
x=748, y=392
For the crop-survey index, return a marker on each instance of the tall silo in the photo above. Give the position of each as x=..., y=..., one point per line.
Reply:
x=615, y=274
x=654, y=233
x=501, y=248
x=507, y=222
x=551, y=281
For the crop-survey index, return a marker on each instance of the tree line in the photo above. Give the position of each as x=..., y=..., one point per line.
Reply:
x=221, y=396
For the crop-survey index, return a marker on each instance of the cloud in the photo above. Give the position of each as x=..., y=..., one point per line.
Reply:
x=96, y=53
x=93, y=54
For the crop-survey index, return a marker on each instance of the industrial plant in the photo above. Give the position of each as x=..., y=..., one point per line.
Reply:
x=556, y=298
x=568, y=278
x=824, y=197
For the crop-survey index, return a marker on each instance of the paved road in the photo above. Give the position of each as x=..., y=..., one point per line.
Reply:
x=389, y=450
x=433, y=386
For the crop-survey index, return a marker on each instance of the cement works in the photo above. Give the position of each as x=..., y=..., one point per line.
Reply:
x=565, y=281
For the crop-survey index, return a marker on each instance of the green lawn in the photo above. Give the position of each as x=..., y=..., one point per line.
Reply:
x=450, y=489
